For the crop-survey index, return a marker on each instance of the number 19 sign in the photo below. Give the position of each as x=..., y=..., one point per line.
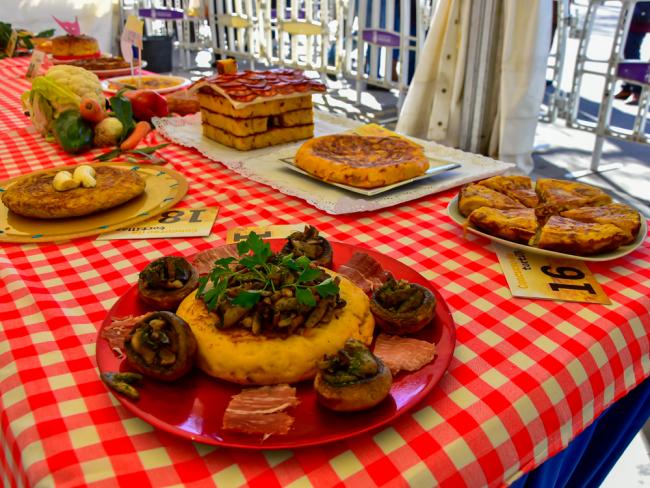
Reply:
x=537, y=276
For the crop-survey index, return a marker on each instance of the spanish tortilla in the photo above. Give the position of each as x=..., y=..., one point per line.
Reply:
x=239, y=356
x=34, y=196
x=362, y=161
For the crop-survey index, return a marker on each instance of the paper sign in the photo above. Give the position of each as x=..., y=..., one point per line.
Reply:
x=268, y=232
x=38, y=58
x=532, y=275
x=71, y=28
x=185, y=222
x=131, y=36
x=11, y=44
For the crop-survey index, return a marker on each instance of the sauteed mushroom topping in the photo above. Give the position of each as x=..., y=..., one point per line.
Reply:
x=401, y=307
x=352, y=379
x=166, y=281
x=309, y=243
x=269, y=293
x=161, y=346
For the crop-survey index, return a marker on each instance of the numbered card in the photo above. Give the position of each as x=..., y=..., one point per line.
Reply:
x=10, y=48
x=182, y=222
x=131, y=36
x=268, y=232
x=39, y=58
x=532, y=275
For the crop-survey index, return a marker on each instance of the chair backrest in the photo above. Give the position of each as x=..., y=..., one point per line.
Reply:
x=383, y=40
x=235, y=29
x=305, y=34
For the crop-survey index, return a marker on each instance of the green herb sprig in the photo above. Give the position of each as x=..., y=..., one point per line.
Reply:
x=255, y=260
x=145, y=154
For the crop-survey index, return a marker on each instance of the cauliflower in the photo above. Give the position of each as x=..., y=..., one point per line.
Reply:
x=59, y=90
x=80, y=81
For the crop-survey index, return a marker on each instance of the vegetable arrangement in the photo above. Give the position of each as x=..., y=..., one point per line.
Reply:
x=67, y=104
x=23, y=41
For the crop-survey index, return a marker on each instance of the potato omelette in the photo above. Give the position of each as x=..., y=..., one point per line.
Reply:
x=34, y=196
x=239, y=356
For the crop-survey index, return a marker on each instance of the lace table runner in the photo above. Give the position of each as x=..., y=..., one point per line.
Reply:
x=264, y=166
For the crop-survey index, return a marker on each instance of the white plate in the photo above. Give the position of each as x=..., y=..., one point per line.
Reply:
x=109, y=73
x=457, y=217
x=435, y=167
x=181, y=83
x=105, y=73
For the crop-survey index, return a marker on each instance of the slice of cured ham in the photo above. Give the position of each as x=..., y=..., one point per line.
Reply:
x=116, y=332
x=403, y=353
x=204, y=261
x=364, y=271
x=261, y=410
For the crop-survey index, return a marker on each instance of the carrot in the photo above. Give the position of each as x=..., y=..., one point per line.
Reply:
x=91, y=110
x=141, y=129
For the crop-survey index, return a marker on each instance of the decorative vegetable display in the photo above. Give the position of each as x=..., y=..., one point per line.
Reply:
x=139, y=132
x=309, y=243
x=147, y=104
x=166, y=281
x=61, y=90
x=68, y=103
x=352, y=379
x=401, y=307
x=262, y=291
x=138, y=155
x=73, y=133
x=108, y=132
x=25, y=40
x=161, y=346
x=91, y=110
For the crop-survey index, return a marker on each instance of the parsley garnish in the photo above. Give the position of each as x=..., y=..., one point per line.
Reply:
x=259, y=271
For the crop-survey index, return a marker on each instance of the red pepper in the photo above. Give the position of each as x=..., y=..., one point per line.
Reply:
x=147, y=104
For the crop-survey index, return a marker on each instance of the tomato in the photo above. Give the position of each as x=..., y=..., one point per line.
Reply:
x=147, y=104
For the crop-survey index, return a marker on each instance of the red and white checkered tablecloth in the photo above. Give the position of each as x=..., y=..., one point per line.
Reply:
x=527, y=375
x=12, y=84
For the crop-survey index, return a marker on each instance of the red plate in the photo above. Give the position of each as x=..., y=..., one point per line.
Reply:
x=193, y=408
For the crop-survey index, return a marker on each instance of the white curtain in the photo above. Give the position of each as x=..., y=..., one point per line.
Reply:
x=433, y=105
x=524, y=56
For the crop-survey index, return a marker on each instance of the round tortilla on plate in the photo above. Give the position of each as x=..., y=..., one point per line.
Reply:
x=34, y=196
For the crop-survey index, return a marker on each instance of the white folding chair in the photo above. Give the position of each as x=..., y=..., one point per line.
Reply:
x=388, y=38
x=235, y=29
x=302, y=34
x=612, y=69
x=557, y=99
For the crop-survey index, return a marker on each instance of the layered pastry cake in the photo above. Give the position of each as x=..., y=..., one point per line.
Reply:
x=74, y=47
x=253, y=109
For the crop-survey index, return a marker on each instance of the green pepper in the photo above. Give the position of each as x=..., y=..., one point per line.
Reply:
x=73, y=133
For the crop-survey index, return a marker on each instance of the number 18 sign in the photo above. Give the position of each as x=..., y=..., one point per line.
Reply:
x=538, y=276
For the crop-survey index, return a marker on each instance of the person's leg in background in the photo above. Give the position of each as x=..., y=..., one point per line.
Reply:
x=632, y=49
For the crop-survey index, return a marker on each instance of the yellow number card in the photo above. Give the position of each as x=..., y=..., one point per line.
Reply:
x=268, y=232
x=181, y=222
x=532, y=275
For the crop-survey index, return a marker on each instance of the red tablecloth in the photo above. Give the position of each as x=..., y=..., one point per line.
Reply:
x=527, y=375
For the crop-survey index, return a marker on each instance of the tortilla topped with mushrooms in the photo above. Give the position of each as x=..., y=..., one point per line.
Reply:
x=265, y=318
x=240, y=356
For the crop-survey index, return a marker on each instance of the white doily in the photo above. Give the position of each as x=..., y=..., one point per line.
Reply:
x=264, y=166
